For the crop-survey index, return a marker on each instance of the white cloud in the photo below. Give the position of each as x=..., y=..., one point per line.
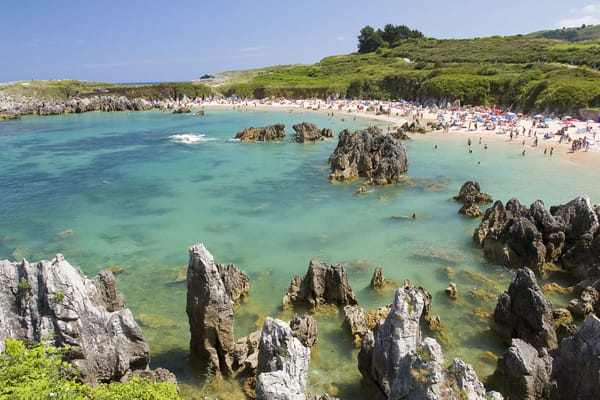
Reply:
x=253, y=49
x=588, y=15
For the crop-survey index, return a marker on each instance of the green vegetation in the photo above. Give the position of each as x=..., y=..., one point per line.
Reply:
x=584, y=32
x=24, y=285
x=58, y=297
x=39, y=372
x=371, y=40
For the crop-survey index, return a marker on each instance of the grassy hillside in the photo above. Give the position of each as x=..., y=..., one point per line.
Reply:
x=584, y=32
x=67, y=89
x=524, y=73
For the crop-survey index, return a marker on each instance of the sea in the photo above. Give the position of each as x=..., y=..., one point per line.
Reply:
x=134, y=190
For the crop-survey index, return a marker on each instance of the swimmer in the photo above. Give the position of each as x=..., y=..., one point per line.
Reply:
x=523, y=153
x=435, y=147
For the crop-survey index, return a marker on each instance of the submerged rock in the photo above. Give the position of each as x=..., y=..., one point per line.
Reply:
x=52, y=301
x=368, y=154
x=308, y=132
x=323, y=284
x=262, y=134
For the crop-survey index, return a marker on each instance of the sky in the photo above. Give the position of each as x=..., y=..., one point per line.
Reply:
x=180, y=40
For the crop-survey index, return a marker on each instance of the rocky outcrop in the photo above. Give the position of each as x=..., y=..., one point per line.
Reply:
x=396, y=364
x=262, y=134
x=470, y=193
x=524, y=312
x=308, y=132
x=323, y=284
x=283, y=360
x=305, y=329
x=53, y=301
x=576, y=365
x=26, y=106
x=517, y=236
x=523, y=373
x=368, y=154
x=212, y=290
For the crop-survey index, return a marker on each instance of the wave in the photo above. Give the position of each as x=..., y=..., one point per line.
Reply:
x=190, y=138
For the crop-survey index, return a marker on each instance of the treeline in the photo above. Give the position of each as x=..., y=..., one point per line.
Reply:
x=391, y=36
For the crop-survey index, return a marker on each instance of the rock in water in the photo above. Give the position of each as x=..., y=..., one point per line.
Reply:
x=396, y=364
x=323, y=284
x=53, y=301
x=308, y=132
x=523, y=373
x=262, y=134
x=211, y=292
x=524, y=312
x=576, y=366
x=282, y=363
x=368, y=154
x=470, y=193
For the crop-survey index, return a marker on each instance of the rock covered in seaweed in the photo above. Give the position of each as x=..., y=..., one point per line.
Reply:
x=368, y=154
x=308, y=132
x=262, y=134
x=323, y=284
x=53, y=301
x=470, y=193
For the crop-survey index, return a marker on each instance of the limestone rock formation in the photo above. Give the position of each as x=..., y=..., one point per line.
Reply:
x=524, y=312
x=262, y=134
x=283, y=360
x=523, y=373
x=304, y=328
x=470, y=193
x=355, y=321
x=576, y=366
x=212, y=290
x=323, y=284
x=396, y=364
x=53, y=301
x=369, y=154
x=308, y=132
x=517, y=236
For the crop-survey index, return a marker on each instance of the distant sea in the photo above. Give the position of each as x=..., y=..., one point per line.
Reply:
x=119, y=189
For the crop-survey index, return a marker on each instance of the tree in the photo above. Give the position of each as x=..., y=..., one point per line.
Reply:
x=369, y=40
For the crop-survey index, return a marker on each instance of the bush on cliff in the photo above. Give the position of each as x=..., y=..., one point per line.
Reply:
x=39, y=372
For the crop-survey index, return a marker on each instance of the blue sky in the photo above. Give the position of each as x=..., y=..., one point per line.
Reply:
x=147, y=41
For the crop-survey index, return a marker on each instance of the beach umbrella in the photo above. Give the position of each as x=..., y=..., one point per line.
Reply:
x=479, y=118
x=538, y=116
x=566, y=117
x=548, y=120
x=575, y=120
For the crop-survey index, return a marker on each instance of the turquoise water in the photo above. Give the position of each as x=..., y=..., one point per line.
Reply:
x=112, y=189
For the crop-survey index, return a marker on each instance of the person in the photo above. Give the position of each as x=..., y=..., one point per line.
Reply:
x=469, y=142
x=523, y=153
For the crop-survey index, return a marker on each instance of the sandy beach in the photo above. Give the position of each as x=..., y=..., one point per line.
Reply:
x=526, y=135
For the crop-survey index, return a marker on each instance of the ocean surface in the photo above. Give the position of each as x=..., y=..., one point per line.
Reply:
x=135, y=189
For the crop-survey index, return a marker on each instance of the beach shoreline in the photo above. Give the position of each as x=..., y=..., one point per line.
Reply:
x=396, y=117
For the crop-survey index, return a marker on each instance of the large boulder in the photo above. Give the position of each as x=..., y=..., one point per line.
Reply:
x=576, y=366
x=308, y=132
x=523, y=373
x=283, y=360
x=524, y=312
x=211, y=292
x=368, y=154
x=323, y=284
x=52, y=301
x=262, y=134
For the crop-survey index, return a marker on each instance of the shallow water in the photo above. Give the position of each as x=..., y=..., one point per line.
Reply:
x=116, y=189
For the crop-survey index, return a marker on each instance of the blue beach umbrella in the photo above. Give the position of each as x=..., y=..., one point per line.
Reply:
x=479, y=118
x=548, y=119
